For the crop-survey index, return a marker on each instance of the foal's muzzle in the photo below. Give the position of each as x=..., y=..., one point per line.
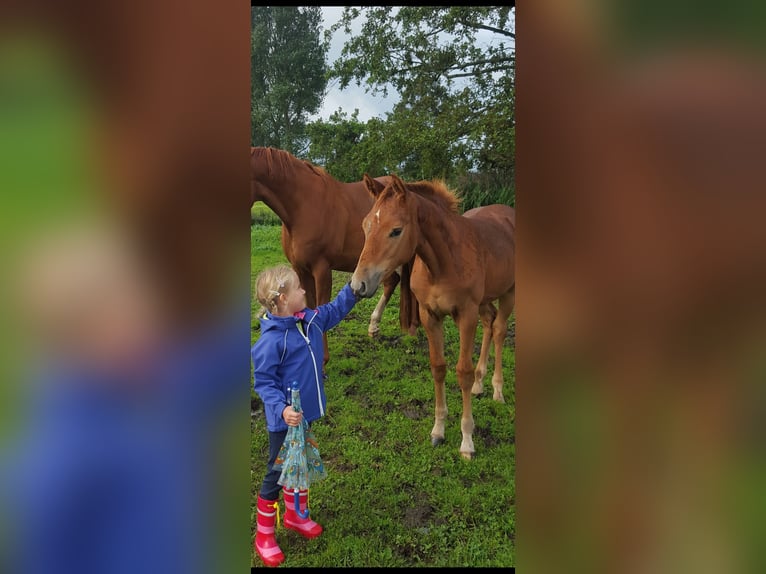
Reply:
x=365, y=287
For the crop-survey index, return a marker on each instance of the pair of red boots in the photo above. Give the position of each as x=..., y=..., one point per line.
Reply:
x=268, y=510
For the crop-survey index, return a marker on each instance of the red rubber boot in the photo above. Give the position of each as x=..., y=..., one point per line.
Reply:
x=303, y=526
x=265, y=541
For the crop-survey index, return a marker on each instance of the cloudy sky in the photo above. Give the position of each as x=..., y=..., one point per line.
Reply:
x=353, y=96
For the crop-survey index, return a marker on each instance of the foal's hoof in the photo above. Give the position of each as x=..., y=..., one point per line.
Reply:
x=373, y=332
x=436, y=440
x=466, y=455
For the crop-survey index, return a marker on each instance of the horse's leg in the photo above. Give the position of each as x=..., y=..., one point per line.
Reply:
x=434, y=327
x=467, y=322
x=499, y=330
x=313, y=300
x=323, y=280
x=306, y=279
x=414, y=315
x=389, y=284
x=487, y=313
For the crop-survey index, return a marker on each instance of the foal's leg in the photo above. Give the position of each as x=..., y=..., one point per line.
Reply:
x=434, y=328
x=499, y=330
x=467, y=321
x=389, y=284
x=487, y=313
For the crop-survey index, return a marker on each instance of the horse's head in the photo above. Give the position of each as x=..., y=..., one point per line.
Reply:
x=391, y=234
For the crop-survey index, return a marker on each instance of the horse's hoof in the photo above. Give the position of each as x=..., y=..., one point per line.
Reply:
x=373, y=333
x=436, y=441
x=467, y=455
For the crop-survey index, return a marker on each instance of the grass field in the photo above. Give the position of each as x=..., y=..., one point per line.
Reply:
x=390, y=498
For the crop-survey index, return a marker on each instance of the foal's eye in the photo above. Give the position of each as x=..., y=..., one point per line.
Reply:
x=395, y=232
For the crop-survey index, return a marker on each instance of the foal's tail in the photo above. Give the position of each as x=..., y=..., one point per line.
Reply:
x=409, y=317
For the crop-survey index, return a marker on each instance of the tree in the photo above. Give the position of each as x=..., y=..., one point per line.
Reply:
x=457, y=107
x=288, y=81
x=348, y=148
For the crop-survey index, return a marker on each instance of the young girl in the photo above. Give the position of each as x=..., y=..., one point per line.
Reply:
x=290, y=349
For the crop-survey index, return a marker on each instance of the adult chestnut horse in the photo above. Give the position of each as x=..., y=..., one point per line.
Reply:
x=322, y=228
x=463, y=264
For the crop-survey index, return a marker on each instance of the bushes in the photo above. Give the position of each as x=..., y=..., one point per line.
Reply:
x=260, y=214
x=477, y=189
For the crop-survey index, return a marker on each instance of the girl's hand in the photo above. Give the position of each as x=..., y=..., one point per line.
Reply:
x=292, y=417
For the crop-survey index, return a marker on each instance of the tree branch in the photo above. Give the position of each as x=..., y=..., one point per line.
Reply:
x=419, y=66
x=478, y=26
x=484, y=71
x=480, y=63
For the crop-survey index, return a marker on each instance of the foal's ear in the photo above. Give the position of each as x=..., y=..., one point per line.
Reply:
x=399, y=186
x=372, y=185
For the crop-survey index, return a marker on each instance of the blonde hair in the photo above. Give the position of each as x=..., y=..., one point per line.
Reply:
x=271, y=283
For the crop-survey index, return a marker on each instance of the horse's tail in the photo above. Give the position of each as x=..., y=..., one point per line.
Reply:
x=409, y=317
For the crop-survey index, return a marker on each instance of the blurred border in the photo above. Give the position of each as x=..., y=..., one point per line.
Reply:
x=136, y=115
x=641, y=274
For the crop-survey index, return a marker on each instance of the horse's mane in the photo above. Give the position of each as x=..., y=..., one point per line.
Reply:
x=438, y=192
x=279, y=161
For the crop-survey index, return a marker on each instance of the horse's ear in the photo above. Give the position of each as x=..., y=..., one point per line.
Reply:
x=399, y=186
x=372, y=185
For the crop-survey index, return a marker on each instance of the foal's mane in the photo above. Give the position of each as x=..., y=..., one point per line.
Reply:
x=438, y=192
x=281, y=162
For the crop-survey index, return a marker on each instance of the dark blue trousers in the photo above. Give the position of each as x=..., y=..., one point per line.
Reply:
x=270, y=487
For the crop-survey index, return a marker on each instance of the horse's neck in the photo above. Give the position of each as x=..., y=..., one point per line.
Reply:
x=286, y=196
x=283, y=206
x=284, y=182
x=437, y=246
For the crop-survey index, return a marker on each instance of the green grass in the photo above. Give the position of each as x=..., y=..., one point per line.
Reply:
x=390, y=498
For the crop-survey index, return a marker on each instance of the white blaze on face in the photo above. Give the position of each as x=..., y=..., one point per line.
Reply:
x=377, y=215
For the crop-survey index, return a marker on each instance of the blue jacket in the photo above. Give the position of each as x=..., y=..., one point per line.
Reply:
x=283, y=355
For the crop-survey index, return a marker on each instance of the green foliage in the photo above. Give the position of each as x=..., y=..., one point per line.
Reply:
x=484, y=188
x=288, y=64
x=390, y=498
x=342, y=147
x=261, y=214
x=457, y=108
x=348, y=148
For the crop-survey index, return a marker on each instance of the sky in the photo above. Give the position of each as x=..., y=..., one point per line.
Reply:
x=353, y=96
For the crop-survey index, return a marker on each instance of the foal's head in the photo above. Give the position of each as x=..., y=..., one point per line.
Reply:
x=391, y=234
